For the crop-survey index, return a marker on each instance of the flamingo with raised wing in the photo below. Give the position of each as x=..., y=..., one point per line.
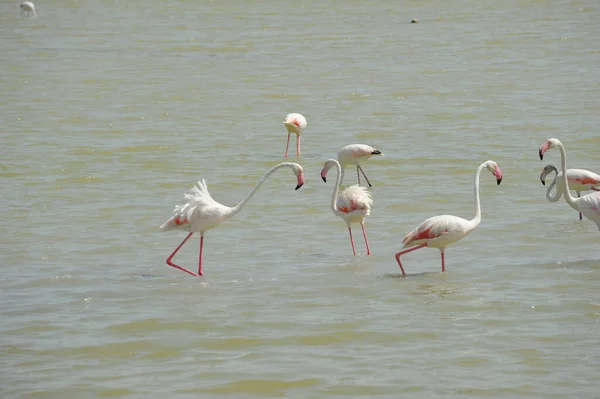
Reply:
x=294, y=123
x=200, y=212
x=441, y=231
x=589, y=204
x=579, y=180
x=353, y=154
x=353, y=204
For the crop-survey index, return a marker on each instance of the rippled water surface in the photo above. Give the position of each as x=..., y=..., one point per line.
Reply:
x=111, y=110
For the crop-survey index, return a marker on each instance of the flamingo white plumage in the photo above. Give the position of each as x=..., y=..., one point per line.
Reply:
x=294, y=123
x=353, y=204
x=200, y=212
x=589, y=204
x=28, y=7
x=353, y=154
x=441, y=231
x=579, y=180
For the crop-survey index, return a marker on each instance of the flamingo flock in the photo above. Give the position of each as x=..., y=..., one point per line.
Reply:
x=199, y=212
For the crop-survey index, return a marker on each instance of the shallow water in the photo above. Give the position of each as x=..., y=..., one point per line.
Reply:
x=112, y=110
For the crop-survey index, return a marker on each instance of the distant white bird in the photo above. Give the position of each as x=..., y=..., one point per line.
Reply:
x=579, y=180
x=353, y=204
x=28, y=7
x=441, y=231
x=200, y=212
x=353, y=154
x=588, y=205
x=294, y=123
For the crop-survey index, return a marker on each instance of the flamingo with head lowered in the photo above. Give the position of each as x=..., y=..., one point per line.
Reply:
x=579, y=180
x=353, y=154
x=588, y=205
x=294, y=123
x=200, y=212
x=441, y=231
x=353, y=204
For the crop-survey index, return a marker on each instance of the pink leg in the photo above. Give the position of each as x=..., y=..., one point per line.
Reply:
x=399, y=254
x=298, y=146
x=443, y=262
x=366, y=241
x=579, y=196
x=287, y=146
x=351, y=240
x=175, y=252
x=200, y=257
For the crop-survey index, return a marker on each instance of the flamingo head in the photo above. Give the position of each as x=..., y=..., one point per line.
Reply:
x=299, y=172
x=295, y=123
x=546, y=171
x=550, y=143
x=493, y=167
x=328, y=165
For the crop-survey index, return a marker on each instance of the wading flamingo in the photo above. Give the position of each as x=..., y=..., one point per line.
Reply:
x=353, y=154
x=28, y=7
x=579, y=180
x=588, y=205
x=440, y=231
x=353, y=204
x=294, y=123
x=201, y=212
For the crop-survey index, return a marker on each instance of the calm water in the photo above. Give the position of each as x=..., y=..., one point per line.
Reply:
x=111, y=110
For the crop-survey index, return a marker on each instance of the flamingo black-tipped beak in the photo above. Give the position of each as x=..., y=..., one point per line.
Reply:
x=324, y=179
x=542, y=180
x=298, y=186
x=499, y=181
x=300, y=181
x=541, y=155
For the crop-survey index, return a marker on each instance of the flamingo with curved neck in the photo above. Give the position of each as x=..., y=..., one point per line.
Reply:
x=588, y=205
x=441, y=231
x=579, y=180
x=200, y=212
x=353, y=204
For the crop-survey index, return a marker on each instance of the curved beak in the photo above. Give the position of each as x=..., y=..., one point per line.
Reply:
x=543, y=150
x=324, y=174
x=542, y=179
x=300, y=181
x=541, y=155
x=498, y=174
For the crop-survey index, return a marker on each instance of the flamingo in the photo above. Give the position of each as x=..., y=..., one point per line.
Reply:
x=28, y=7
x=353, y=154
x=294, y=123
x=588, y=205
x=201, y=212
x=579, y=180
x=353, y=204
x=441, y=231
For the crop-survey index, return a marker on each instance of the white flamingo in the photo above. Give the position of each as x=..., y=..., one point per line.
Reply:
x=441, y=231
x=353, y=154
x=28, y=7
x=588, y=205
x=294, y=123
x=200, y=212
x=353, y=204
x=579, y=180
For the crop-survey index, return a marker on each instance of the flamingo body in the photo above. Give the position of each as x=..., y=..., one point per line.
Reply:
x=353, y=204
x=441, y=231
x=579, y=180
x=588, y=205
x=294, y=123
x=27, y=7
x=199, y=212
x=353, y=154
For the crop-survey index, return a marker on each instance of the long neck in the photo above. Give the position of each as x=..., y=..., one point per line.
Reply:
x=477, y=219
x=236, y=209
x=563, y=165
x=342, y=174
x=337, y=186
x=558, y=194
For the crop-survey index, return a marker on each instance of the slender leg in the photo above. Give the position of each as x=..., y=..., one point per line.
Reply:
x=358, y=173
x=579, y=196
x=366, y=241
x=287, y=146
x=399, y=254
x=351, y=240
x=366, y=178
x=200, y=257
x=175, y=252
x=443, y=262
x=298, y=146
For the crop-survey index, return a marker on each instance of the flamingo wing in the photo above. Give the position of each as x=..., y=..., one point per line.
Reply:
x=433, y=227
x=195, y=199
x=583, y=177
x=354, y=198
